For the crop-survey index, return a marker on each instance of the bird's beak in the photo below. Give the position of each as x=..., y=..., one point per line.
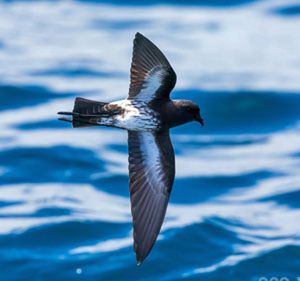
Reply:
x=200, y=120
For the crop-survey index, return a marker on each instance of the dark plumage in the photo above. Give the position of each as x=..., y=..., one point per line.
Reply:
x=148, y=113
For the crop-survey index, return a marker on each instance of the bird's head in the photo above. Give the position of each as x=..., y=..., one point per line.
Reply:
x=191, y=110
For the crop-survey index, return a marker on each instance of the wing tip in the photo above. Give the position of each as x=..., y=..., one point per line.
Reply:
x=138, y=34
x=139, y=259
x=139, y=255
x=139, y=37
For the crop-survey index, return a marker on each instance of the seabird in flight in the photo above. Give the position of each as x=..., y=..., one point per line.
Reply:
x=147, y=114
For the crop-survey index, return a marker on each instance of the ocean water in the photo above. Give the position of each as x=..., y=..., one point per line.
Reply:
x=234, y=212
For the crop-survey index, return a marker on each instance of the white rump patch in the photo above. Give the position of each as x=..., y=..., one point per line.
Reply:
x=138, y=116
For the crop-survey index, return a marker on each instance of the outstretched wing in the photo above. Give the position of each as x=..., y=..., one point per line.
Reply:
x=151, y=75
x=151, y=172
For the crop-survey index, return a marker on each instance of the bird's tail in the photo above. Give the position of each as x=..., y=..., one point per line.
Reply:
x=85, y=113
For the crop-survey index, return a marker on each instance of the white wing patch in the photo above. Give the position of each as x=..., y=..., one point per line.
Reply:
x=152, y=82
x=152, y=159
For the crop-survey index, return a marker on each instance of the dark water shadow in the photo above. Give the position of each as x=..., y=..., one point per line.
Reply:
x=296, y=155
x=291, y=199
x=119, y=24
x=50, y=164
x=201, y=189
x=78, y=72
x=241, y=112
x=47, y=124
x=13, y=97
x=113, y=184
x=287, y=11
x=181, y=146
x=66, y=235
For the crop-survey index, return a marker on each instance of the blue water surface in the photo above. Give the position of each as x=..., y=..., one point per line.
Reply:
x=64, y=203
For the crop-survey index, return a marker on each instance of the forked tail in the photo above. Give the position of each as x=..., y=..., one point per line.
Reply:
x=85, y=113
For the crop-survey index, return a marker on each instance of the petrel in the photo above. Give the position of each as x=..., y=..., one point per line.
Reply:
x=147, y=114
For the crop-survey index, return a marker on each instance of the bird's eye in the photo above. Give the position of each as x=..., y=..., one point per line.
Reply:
x=188, y=109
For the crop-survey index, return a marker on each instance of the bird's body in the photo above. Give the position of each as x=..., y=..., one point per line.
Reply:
x=147, y=114
x=135, y=115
